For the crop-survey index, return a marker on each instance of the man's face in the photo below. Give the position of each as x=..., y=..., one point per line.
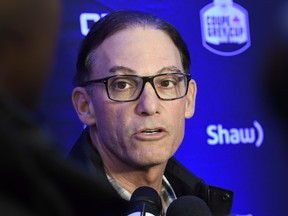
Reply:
x=147, y=131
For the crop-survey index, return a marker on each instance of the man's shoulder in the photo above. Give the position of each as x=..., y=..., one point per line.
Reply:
x=184, y=182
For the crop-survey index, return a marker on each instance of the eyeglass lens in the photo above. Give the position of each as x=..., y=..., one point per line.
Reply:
x=167, y=86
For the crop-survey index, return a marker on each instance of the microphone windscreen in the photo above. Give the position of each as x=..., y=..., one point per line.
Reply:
x=188, y=206
x=147, y=198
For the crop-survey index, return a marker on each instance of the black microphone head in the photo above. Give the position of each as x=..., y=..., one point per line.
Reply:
x=188, y=206
x=146, y=197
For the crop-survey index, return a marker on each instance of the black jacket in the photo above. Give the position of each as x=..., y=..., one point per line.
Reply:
x=181, y=179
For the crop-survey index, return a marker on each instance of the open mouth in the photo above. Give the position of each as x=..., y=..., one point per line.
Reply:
x=152, y=131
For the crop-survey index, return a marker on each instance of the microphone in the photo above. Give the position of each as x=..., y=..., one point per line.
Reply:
x=188, y=206
x=145, y=201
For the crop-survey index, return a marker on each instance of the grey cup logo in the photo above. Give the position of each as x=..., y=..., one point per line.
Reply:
x=225, y=28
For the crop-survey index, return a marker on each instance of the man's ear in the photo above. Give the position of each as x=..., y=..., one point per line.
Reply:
x=190, y=99
x=83, y=106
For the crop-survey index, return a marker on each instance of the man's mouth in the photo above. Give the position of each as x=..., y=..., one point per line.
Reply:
x=150, y=134
x=151, y=131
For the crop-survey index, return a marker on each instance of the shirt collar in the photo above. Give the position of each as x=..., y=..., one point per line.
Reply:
x=167, y=193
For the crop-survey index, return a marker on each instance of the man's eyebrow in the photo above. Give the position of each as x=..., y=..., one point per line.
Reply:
x=116, y=68
x=168, y=69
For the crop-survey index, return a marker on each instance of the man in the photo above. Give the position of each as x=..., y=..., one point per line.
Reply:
x=34, y=179
x=133, y=90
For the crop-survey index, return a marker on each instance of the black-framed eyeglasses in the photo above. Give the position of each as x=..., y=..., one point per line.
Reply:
x=125, y=88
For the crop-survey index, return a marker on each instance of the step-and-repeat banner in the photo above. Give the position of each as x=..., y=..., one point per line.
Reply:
x=237, y=138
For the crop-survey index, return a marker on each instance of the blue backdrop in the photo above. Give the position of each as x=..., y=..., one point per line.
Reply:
x=237, y=138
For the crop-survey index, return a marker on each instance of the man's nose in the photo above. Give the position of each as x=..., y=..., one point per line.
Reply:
x=148, y=102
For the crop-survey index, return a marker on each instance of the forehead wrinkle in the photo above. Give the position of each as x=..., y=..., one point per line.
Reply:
x=115, y=69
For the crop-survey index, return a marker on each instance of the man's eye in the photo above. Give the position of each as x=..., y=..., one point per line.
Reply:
x=122, y=84
x=167, y=83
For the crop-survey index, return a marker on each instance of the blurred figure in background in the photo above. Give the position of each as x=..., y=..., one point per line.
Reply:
x=33, y=178
x=276, y=67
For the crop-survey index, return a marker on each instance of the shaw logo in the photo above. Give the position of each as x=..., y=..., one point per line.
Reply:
x=220, y=135
x=225, y=28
